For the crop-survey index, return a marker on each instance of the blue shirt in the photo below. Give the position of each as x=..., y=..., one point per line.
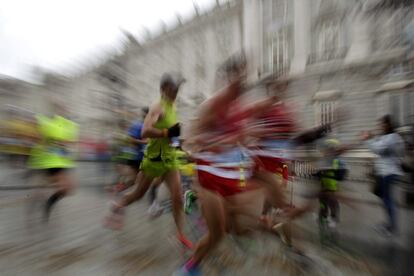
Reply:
x=135, y=132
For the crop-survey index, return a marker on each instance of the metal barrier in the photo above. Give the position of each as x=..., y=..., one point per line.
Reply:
x=359, y=168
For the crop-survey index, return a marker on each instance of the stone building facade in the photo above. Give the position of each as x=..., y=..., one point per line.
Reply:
x=124, y=84
x=337, y=53
x=195, y=49
x=15, y=93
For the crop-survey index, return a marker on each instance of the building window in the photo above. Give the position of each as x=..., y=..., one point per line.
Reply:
x=224, y=38
x=328, y=43
x=277, y=30
x=402, y=108
x=400, y=70
x=325, y=112
x=391, y=29
x=278, y=52
x=329, y=30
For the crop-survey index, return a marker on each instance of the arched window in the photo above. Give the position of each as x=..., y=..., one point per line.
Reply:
x=277, y=35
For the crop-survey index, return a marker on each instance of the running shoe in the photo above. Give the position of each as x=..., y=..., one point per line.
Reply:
x=184, y=241
x=115, y=220
x=188, y=270
x=189, y=198
x=155, y=210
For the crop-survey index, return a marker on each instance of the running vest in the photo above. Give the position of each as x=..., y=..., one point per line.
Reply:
x=51, y=151
x=328, y=179
x=159, y=149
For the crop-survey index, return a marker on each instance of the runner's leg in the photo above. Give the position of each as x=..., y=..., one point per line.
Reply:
x=212, y=207
x=323, y=206
x=65, y=185
x=334, y=206
x=154, y=188
x=143, y=183
x=273, y=188
x=172, y=179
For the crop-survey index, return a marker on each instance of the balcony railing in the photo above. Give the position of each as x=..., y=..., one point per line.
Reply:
x=334, y=54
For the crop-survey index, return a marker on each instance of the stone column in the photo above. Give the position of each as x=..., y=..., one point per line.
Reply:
x=301, y=35
x=211, y=58
x=252, y=36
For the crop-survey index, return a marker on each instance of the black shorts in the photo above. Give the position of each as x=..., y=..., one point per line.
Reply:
x=54, y=171
x=135, y=164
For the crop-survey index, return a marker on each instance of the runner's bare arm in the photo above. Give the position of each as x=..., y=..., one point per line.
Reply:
x=148, y=130
x=312, y=135
x=208, y=109
x=205, y=117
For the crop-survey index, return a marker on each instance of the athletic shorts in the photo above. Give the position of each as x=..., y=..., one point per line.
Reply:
x=157, y=168
x=135, y=164
x=273, y=156
x=54, y=171
x=225, y=173
x=273, y=165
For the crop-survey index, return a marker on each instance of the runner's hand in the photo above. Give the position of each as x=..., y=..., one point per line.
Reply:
x=365, y=135
x=174, y=131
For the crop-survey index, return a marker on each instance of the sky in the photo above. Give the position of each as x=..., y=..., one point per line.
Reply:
x=66, y=35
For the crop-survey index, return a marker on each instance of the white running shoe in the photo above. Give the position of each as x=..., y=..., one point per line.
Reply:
x=155, y=210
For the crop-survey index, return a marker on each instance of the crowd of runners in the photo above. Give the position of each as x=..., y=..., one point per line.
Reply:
x=234, y=156
x=239, y=153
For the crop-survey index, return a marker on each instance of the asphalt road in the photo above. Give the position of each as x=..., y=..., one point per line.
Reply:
x=75, y=243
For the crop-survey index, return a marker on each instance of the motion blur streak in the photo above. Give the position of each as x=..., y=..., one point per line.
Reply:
x=292, y=131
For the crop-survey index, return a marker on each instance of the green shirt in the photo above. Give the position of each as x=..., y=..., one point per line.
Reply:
x=52, y=152
x=160, y=148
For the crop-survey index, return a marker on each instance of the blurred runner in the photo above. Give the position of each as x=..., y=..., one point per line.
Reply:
x=18, y=134
x=273, y=129
x=187, y=170
x=102, y=156
x=160, y=125
x=123, y=152
x=136, y=144
x=52, y=154
x=222, y=166
x=155, y=209
x=130, y=150
x=331, y=170
x=274, y=132
x=226, y=190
